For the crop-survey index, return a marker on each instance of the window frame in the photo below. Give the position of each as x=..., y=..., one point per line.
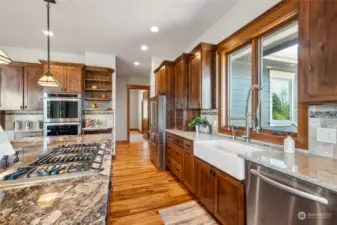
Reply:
x=290, y=77
x=280, y=15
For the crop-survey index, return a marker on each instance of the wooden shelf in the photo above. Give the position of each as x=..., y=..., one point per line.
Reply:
x=90, y=89
x=97, y=99
x=98, y=80
x=98, y=109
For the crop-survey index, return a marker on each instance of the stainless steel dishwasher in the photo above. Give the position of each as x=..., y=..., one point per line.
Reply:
x=274, y=198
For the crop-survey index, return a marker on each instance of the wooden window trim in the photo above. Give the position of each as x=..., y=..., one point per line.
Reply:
x=280, y=15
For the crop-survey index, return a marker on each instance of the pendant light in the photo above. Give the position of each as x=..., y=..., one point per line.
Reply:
x=47, y=80
x=4, y=59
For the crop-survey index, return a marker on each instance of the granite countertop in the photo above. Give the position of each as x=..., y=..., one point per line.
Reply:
x=81, y=200
x=317, y=170
x=302, y=164
x=193, y=136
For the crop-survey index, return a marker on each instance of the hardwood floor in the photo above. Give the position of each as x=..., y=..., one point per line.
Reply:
x=139, y=189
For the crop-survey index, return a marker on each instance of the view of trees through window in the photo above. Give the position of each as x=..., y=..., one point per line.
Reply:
x=280, y=100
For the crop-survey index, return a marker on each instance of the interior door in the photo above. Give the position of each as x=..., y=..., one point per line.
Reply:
x=205, y=184
x=194, y=93
x=11, y=88
x=73, y=80
x=145, y=115
x=33, y=92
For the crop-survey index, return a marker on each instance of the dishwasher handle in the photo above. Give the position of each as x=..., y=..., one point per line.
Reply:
x=290, y=189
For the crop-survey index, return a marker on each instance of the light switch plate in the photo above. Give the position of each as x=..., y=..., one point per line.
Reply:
x=327, y=135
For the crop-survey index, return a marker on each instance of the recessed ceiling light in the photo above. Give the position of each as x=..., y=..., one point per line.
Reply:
x=154, y=29
x=136, y=63
x=48, y=33
x=144, y=47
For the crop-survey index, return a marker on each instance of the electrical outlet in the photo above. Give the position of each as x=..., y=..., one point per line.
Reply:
x=327, y=135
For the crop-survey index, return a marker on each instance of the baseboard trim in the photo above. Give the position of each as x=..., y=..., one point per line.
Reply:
x=122, y=142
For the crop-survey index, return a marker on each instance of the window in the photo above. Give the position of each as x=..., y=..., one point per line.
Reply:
x=281, y=98
x=269, y=61
x=278, y=79
x=239, y=82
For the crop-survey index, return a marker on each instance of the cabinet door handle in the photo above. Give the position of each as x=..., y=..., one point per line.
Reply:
x=177, y=153
x=210, y=172
x=21, y=107
x=177, y=169
x=25, y=107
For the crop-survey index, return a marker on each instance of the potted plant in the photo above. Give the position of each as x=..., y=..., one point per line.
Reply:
x=197, y=122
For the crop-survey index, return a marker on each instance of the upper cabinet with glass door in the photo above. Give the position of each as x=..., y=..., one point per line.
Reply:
x=278, y=79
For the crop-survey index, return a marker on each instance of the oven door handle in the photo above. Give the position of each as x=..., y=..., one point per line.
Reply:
x=290, y=189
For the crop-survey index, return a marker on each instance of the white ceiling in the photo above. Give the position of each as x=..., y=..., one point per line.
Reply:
x=116, y=27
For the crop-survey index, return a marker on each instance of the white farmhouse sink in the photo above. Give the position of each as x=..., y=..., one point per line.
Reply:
x=224, y=155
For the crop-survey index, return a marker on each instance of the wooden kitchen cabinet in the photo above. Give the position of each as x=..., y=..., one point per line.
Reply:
x=317, y=51
x=68, y=75
x=229, y=200
x=181, y=84
x=73, y=80
x=221, y=194
x=188, y=170
x=33, y=92
x=202, y=77
x=19, y=88
x=205, y=184
x=11, y=88
x=164, y=76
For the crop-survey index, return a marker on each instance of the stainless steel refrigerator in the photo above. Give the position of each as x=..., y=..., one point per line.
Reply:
x=157, y=131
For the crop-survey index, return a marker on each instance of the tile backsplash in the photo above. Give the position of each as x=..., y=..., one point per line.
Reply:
x=212, y=117
x=105, y=117
x=322, y=116
x=12, y=116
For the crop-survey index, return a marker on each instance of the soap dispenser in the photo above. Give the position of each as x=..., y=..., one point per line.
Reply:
x=289, y=144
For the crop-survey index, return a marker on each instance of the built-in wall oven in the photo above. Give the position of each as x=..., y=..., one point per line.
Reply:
x=62, y=114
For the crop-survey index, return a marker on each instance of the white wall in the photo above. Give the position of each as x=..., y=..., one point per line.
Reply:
x=140, y=102
x=121, y=99
x=134, y=104
x=239, y=15
x=34, y=55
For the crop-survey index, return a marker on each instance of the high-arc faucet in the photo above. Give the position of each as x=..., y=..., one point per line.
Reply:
x=255, y=122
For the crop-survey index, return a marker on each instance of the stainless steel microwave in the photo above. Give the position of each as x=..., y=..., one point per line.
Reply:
x=62, y=108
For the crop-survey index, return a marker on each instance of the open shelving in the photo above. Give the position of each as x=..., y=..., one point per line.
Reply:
x=98, y=88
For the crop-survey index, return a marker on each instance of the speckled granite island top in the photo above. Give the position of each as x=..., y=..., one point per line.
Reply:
x=81, y=200
x=193, y=136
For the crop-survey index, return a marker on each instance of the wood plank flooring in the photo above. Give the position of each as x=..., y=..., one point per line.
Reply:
x=139, y=190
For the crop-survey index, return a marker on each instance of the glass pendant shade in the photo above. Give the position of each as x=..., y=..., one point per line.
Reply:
x=4, y=59
x=47, y=80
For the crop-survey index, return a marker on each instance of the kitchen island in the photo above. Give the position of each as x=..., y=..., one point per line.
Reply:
x=77, y=200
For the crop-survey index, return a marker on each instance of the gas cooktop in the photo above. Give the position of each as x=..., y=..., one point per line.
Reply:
x=63, y=160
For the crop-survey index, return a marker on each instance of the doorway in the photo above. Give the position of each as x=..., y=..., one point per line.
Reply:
x=137, y=112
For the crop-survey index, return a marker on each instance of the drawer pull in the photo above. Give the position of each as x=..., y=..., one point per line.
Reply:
x=177, y=169
x=177, y=153
x=188, y=146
